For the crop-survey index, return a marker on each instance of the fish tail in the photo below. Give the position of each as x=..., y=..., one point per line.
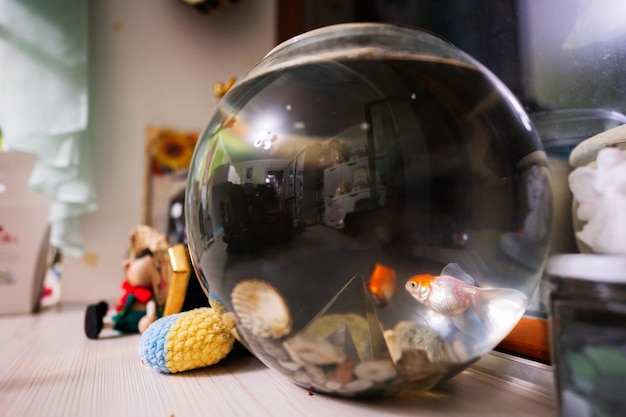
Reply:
x=499, y=309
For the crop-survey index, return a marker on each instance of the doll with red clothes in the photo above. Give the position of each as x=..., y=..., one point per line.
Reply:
x=136, y=309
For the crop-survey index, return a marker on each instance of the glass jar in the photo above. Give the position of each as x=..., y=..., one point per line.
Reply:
x=588, y=333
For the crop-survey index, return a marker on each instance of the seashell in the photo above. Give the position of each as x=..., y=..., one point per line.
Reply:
x=391, y=339
x=261, y=309
x=379, y=370
x=356, y=386
x=274, y=348
x=332, y=385
x=302, y=377
x=316, y=351
x=289, y=365
x=317, y=374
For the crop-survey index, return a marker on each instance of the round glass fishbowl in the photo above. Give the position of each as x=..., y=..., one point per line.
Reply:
x=371, y=207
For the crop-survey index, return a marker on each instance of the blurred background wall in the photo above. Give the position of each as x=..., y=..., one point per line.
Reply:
x=151, y=63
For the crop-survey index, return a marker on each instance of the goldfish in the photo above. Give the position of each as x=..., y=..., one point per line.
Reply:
x=382, y=284
x=444, y=294
x=454, y=292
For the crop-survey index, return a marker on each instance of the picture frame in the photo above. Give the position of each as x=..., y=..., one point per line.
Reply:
x=168, y=153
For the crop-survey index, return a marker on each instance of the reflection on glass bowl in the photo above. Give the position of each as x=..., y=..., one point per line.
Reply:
x=422, y=263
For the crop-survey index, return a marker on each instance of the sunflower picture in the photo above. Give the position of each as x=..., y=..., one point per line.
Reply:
x=168, y=155
x=172, y=151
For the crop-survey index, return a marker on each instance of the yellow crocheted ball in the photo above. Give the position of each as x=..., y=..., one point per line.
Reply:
x=198, y=338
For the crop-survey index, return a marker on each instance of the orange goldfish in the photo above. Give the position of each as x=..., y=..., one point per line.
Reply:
x=382, y=284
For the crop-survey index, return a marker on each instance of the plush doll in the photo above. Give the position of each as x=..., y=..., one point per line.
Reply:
x=188, y=340
x=136, y=309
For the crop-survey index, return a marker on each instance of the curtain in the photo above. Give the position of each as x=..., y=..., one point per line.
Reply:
x=44, y=106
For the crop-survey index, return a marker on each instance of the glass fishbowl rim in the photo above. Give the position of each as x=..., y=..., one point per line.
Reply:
x=290, y=53
x=356, y=28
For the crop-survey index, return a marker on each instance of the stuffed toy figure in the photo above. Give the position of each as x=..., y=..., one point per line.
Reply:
x=135, y=310
x=188, y=340
x=176, y=342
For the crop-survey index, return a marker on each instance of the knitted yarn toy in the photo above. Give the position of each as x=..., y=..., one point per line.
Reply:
x=184, y=341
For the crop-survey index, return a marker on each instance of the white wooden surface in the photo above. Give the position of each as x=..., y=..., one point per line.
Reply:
x=49, y=368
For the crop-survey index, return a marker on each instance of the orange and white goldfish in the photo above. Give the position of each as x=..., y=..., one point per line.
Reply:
x=454, y=291
x=382, y=284
x=444, y=294
x=454, y=294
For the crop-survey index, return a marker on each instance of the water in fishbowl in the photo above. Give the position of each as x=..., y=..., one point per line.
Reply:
x=372, y=218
